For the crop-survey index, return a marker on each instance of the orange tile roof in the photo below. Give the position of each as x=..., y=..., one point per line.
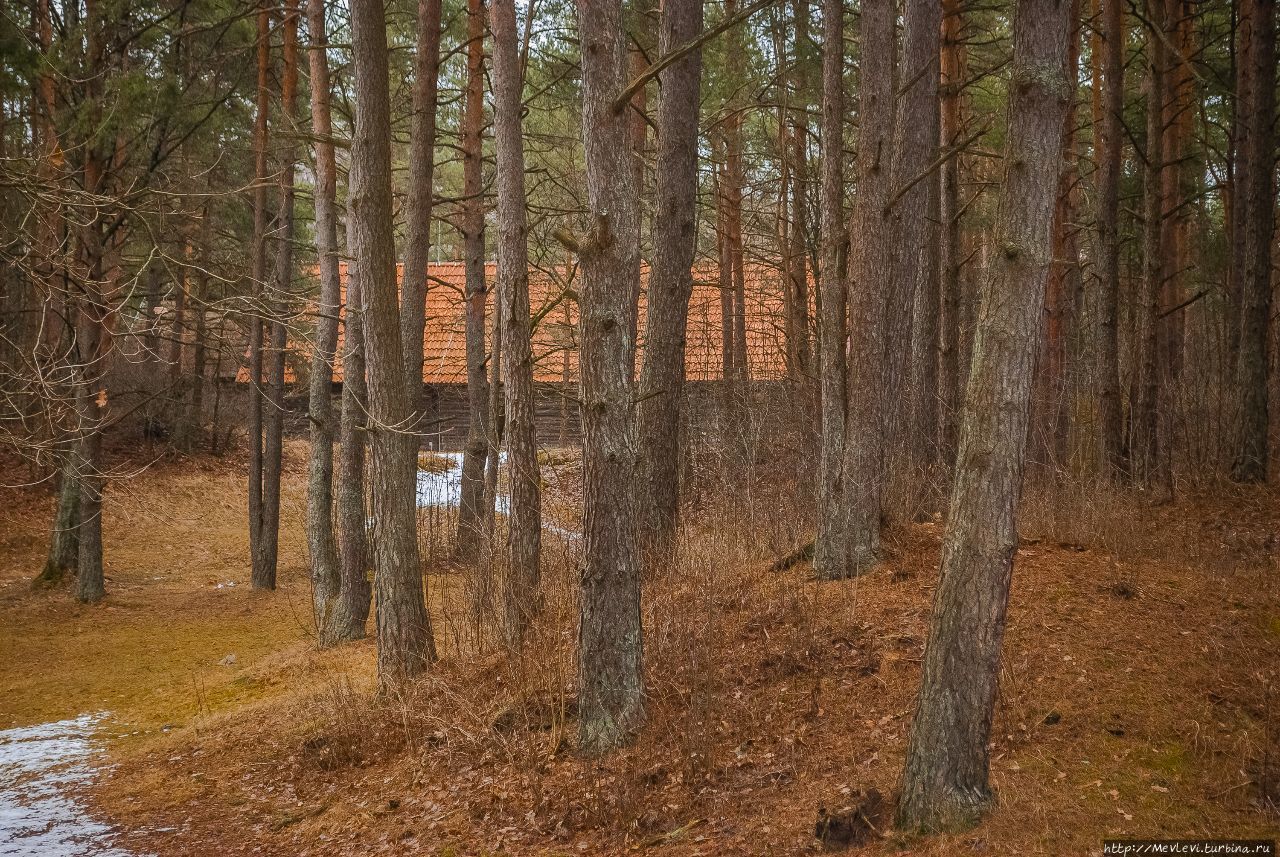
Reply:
x=553, y=302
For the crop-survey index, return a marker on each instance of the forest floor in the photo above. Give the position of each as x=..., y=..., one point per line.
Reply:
x=1140, y=688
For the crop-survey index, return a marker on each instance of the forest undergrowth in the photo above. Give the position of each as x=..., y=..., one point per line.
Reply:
x=1138, y=687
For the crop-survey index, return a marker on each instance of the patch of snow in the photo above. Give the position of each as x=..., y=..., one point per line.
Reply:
x=42, y=770
x=443, y=489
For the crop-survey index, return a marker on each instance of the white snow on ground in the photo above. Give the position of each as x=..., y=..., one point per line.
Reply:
x=42, y=770
x=444, y=489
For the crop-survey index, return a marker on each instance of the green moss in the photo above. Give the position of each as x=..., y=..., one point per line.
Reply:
x=1170, y=760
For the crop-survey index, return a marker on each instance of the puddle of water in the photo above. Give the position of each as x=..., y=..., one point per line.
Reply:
x=42, y=770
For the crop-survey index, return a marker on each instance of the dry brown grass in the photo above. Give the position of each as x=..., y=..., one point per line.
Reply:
x=1138, y=698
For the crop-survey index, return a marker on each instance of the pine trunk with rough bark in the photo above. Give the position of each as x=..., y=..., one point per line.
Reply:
x=670, y=281
x=913, y=299
x=945, y=777
x=1251, y=460
x=326, y=579
x=830, y=548
x=1110, y=150
x=1238, y=177
x=259, y=576
x=421, y=183
x=869, y=268
x=954, y=71
x=64, y=536
x=93, y=347
x=93, y=339
x=405, y=644
x=610, y=642
x=797, y=249
x=273, y=422
x=471, y=512
x=1144, y=464
x=520, y=596
x=355, y=592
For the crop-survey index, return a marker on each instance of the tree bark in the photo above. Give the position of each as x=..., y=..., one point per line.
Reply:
x=1251, y=461
x=799, y=174
x=1049, y=405
x=93, y=341
x=524, y=520
x=354, y=589
x=1145, y=451
x=259, y=576
x=724, y=256
x=670, y=280
x=1238, y=177
x=421, y=182
x=610, y=645
x=954, y=68
x=64, y=536
x=326, y=579
x=273, y=422
x=869, y=268
x=913, y=301
x=471, y=512
x=945, y=778
x=830, y=548
x=405, y=644
x=1107, y=345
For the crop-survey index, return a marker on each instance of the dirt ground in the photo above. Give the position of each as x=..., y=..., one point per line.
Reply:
x=1138, y=695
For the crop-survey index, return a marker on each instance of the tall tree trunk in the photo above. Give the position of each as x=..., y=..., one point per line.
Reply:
x=273, y=423
x=913, y=301
x=637, y=114
x=1110, y=150
x=831, y=549
x=326, y=580
x=734, y=183
x=259, y=576
x=93, y=340
x=954, y=68
x=471, y=530
x=177, y=330
x=1238, y=176
x=1145, y=459
x=1049, y=441
x=1251, y=459
x=610, y=647
x=405, y=644
x=354, y=589
x=870, y=238
x=670, y=280
x=799, y=173
x=421, y=182
x=524, y=520
x=193, y=422
x=64, y=537
x=945, y=777
x=724, y=257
